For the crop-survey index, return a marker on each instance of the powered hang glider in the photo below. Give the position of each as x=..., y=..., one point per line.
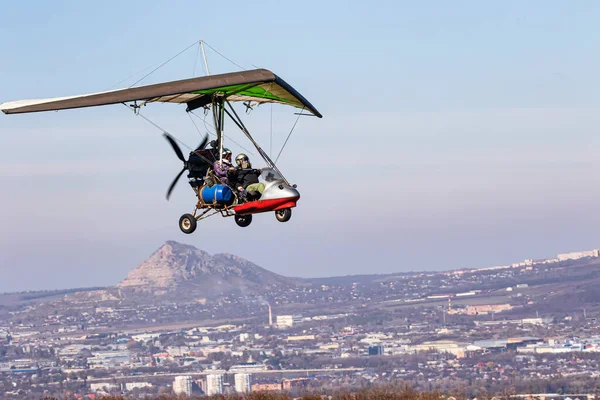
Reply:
x=215, y=92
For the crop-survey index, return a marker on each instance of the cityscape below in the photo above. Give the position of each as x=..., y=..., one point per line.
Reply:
x=185, y=322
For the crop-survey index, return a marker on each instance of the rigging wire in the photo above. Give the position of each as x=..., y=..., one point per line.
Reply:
x=155, y=69
x=196, y=126
x=216, y=51
x=177, y=140
x=288, y=137
x=227, y=137
x=204, y=119
x=196, y=60
x=271, y=134
x=129, y=77
x=206, y=125
x=159, y=128
x=165, y=131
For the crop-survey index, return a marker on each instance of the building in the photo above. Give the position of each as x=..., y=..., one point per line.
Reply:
x=287, y=321
x=243, y=383
x=248, y=367
x=288, y=384
x=108, y=359
x=104, y=386
x=577, y=255
x=137, y=385
x=300, y=338
x=440, y=296
x=376, y=350
x=266, y=387
x=486, y=308
x=442, y=346
x=214, y=384
x=244, y=337
x=183, y=385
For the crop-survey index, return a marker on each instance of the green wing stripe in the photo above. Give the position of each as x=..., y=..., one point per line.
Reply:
x=257, y=92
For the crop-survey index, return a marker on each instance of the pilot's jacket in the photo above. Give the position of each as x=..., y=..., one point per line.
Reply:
x=243, y=177
x=221, y=170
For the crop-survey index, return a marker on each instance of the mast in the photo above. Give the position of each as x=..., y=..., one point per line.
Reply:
x=204, y=56
x=218, y=109
x=218, y=116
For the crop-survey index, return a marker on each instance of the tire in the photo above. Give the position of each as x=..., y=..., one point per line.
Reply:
x=187, y=223
x=283, y=215
x=243, y=220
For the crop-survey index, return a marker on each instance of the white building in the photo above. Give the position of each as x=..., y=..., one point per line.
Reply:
x=243, y=383
x=183, y=385
x=105, y=386
x=577, y=255
x=137, y=385
x=214, y=384
x=248, y=367
x=287, y=321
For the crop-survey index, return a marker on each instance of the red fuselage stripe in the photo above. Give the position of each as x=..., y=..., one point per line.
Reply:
x=259, y=206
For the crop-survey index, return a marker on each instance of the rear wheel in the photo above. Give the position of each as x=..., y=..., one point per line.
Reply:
x=283, y=215
x=187, y=223
x=243, y=220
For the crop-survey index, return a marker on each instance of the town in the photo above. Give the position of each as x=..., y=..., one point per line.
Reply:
x=515, y=327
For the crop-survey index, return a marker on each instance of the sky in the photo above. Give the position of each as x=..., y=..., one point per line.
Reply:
x=456, y=134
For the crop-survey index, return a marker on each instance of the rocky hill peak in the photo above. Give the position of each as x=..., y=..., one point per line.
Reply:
x=182, y=267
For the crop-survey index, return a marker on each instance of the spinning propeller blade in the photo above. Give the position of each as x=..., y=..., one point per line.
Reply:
x=180, y=156
x=175, y=146
x=175, y=182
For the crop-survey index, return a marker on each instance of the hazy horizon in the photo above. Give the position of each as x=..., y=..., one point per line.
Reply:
x=442, y=269
x=457, y=136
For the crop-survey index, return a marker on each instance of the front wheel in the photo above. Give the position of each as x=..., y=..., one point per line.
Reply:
x=283, y=215
x=243, y=220
x=187, y=223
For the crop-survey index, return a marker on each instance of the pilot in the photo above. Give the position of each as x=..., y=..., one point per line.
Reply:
x=221, y=169
x=245, y=178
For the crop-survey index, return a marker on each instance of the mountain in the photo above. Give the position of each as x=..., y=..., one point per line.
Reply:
x=186, y=271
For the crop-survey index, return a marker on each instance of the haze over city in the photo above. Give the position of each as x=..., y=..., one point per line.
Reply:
x=454, y=135
x=435, y=238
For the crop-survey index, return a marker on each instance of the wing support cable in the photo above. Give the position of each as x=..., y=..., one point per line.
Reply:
x=289, y=134
x=161, y=65
x=164, y=131
x=235, y=118
x=206, y=125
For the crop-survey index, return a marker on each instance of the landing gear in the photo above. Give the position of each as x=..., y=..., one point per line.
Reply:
x=283, y=215
x=243, y=220
x=187, y=223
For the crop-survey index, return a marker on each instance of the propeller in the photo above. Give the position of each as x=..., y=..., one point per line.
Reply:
x=179, y=155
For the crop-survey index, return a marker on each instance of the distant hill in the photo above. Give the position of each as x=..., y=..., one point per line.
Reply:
x=187, y=272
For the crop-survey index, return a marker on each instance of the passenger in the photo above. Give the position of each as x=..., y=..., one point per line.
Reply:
x=221, y=169
x=244, y=178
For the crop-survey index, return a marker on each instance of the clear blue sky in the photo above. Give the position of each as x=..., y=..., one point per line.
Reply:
x=455, y=134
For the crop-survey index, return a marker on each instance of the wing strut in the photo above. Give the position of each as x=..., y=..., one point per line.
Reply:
x=235, y=118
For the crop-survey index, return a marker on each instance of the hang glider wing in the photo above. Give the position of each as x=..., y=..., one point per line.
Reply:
x=260, y=86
